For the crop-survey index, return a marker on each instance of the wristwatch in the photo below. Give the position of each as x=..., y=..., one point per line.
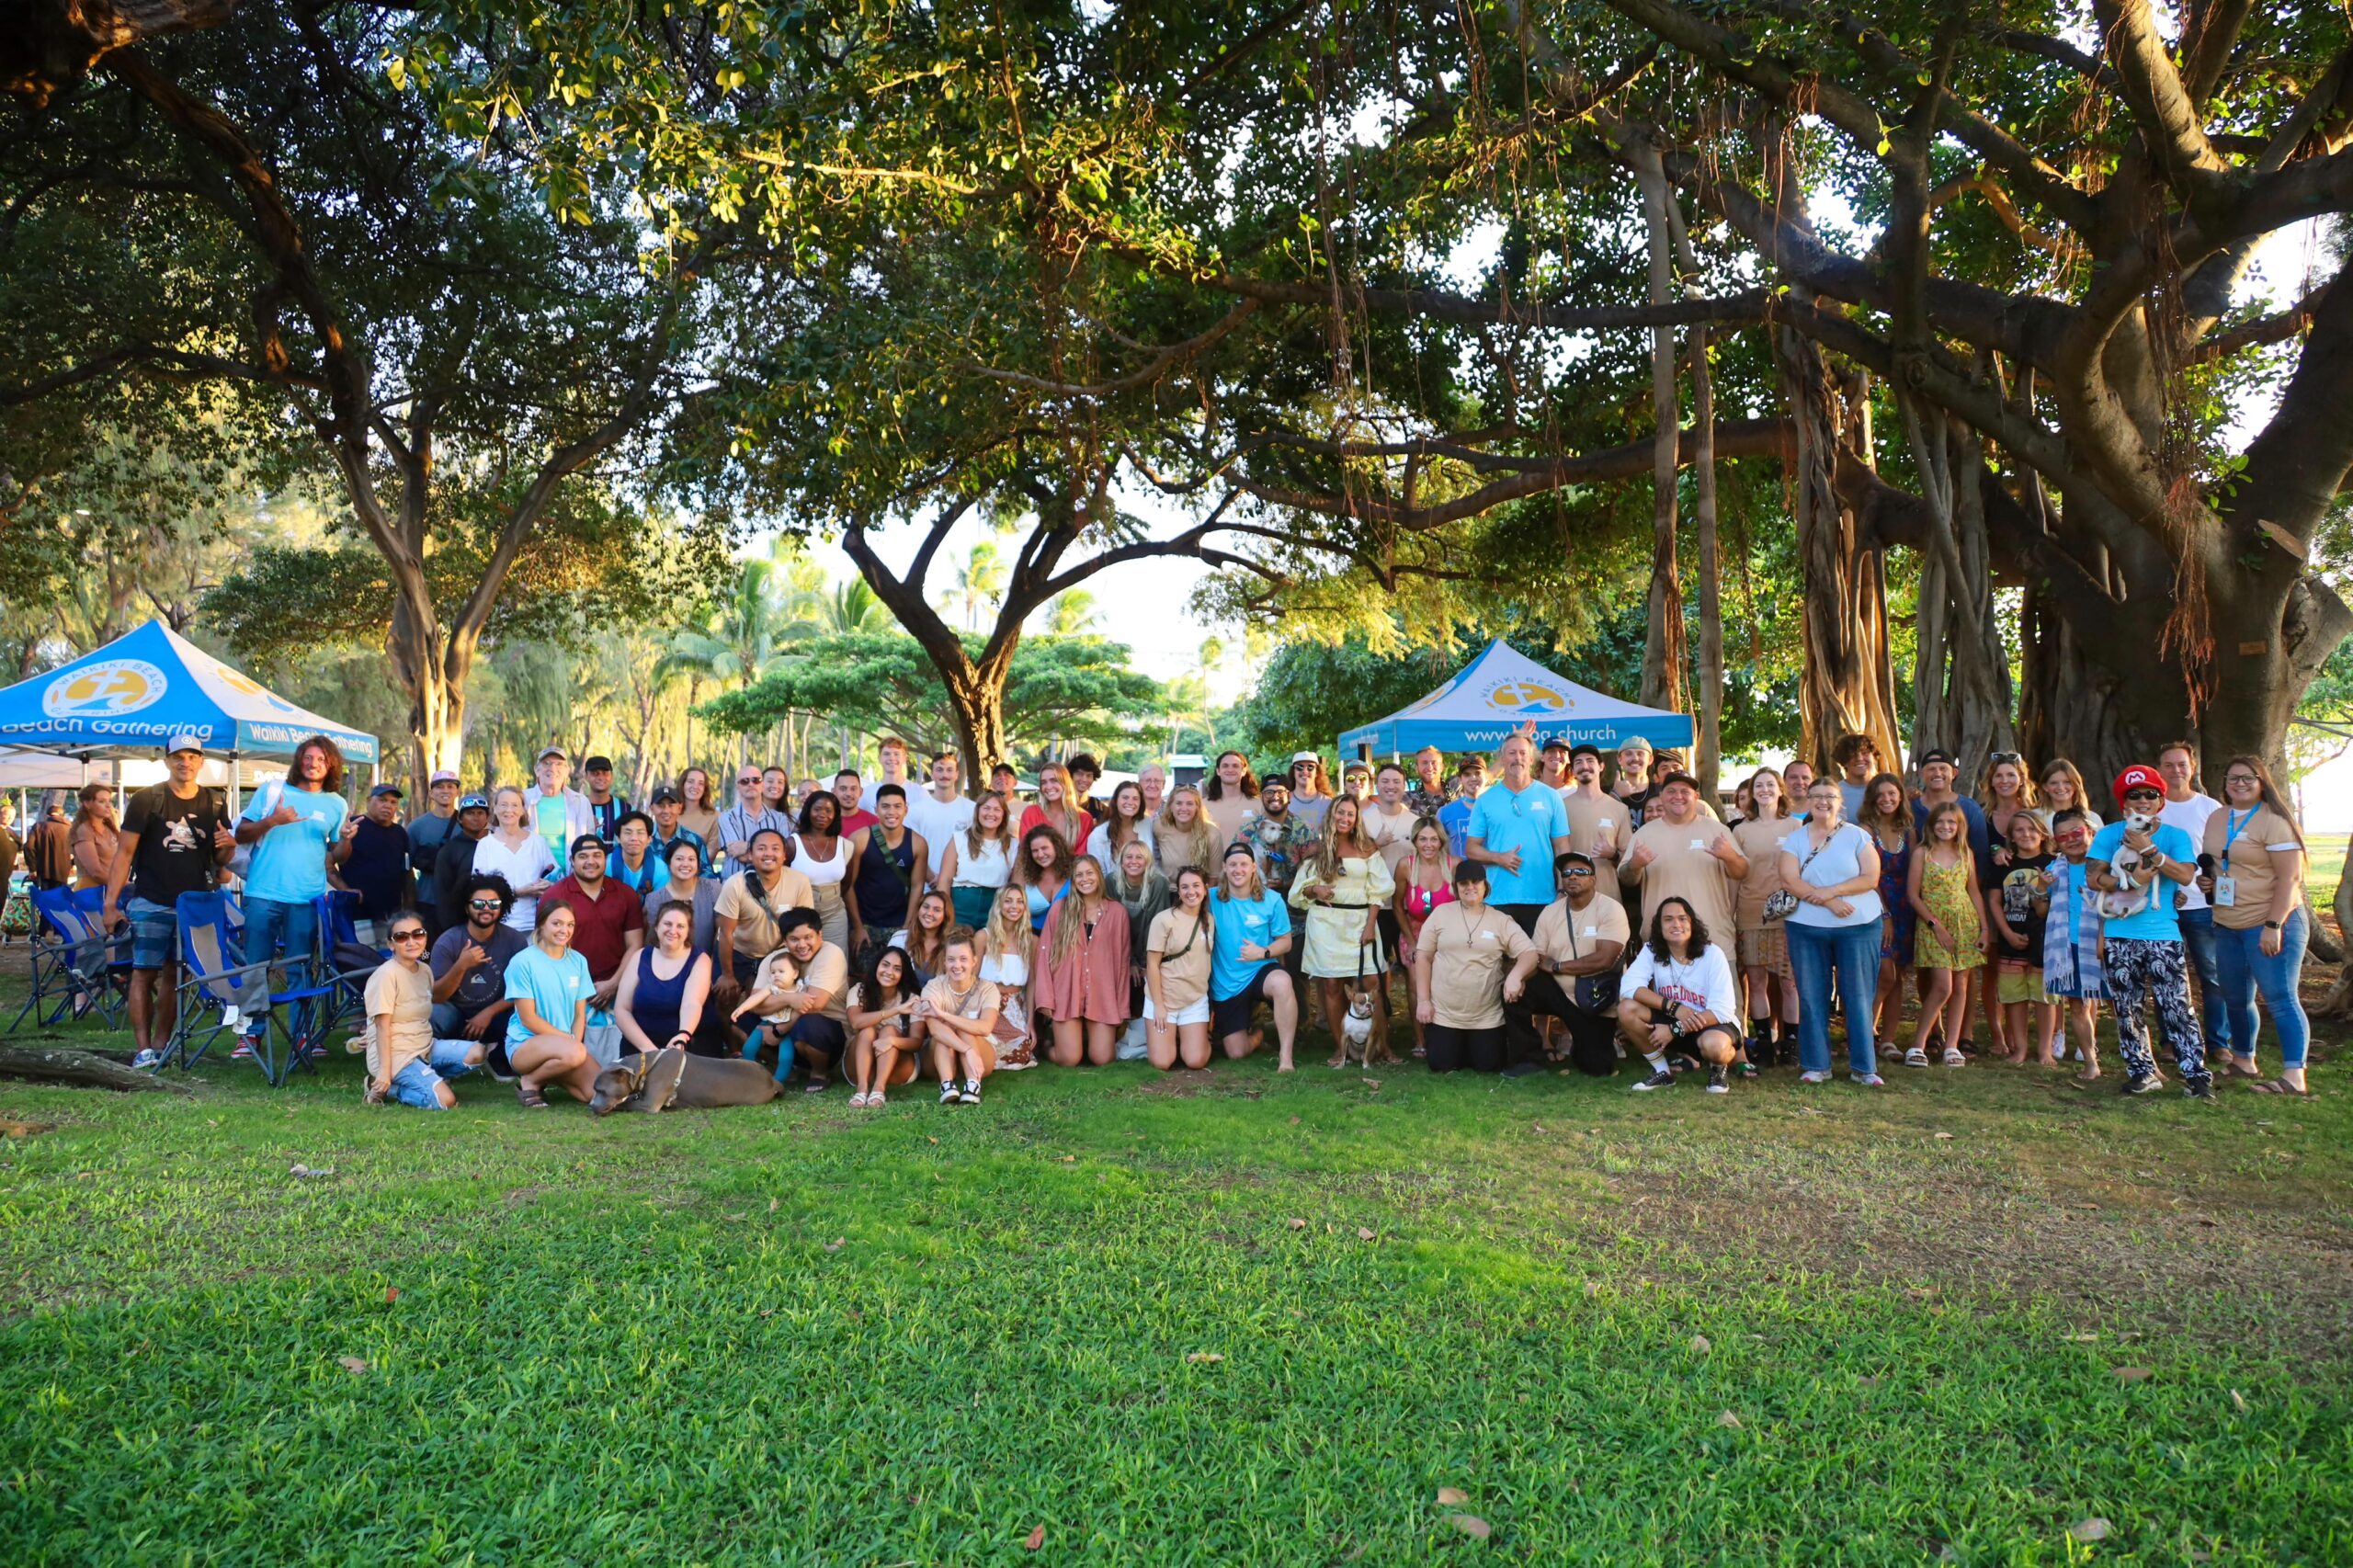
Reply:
x=2271, y=924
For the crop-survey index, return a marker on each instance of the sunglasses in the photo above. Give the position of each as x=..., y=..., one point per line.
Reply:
x=2006, y=756
x=2144, y=794
x=482, y=903
x=1579, y=871
x=413, y=935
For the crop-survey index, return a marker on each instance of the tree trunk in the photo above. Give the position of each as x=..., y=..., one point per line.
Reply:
x=1664, y=646
x=1963, y=685
x=977, y=705
x=82, y=1069
x=1848, y=685
x=436, y=712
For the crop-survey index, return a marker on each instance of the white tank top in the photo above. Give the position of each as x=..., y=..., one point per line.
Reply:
x=989, y=868
x=821, y=873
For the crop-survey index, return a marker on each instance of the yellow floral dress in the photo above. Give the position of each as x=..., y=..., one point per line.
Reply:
x=1945, y=890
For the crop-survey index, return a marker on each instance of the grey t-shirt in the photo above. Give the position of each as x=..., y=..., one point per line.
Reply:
x=487, y=981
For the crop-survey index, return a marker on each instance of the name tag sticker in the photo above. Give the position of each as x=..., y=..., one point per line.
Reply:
x=1700, y=844
x=1605, y=821
x=1592, y=930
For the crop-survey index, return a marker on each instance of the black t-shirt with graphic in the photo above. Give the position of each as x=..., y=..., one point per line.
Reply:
x=175, y=853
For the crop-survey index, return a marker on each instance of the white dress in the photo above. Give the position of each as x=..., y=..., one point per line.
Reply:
x=532, y=863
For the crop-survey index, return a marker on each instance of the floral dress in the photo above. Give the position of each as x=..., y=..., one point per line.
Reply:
x=1895, y=898
x=1945, y=890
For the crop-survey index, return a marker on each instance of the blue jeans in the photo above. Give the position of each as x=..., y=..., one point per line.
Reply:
x=2239, y=956
x=292, y=929
x=415, y=1083
x=1853, y=952
x=2198, y=939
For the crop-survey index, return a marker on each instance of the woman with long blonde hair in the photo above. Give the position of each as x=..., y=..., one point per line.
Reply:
x=1082, y=984
x=1182, y=834
x=1343, y=887
x=1008, y=954
x=1058, y=806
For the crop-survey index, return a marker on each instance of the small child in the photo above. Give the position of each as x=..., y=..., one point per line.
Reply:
x=2071, y=938
x=1949, y=941
x=2018, y=932
x=755, y=1036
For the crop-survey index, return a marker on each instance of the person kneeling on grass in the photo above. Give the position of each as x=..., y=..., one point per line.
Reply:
x=1460, y=978
x=404, y=1062
x=958, y=1016
x=547, y=1034
x=883, y=1044
x=798, y=996
x=1677, y=998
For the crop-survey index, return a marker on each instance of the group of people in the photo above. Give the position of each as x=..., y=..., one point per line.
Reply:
x=1566, y=905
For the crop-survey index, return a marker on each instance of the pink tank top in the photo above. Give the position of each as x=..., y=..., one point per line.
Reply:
x=1422, y=900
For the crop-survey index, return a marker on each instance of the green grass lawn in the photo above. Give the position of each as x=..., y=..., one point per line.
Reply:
x=1205, y=1318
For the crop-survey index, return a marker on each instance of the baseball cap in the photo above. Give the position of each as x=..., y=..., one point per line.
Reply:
x=1633, y=742
x=1584, y=748
x=387, y=788
x=1556, y=742
x=597, y=764
x=587, y=841
x=1305, y=757
x=1679, y=778
x=2138, y=776
x=1572, y=856
x=477, y=801
x=1935, y=756
x=443, y=776
x=665, y=795
x=553, y=751
x=186, y=740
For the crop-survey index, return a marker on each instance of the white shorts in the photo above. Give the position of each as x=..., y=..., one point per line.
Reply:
x=1199, y=1013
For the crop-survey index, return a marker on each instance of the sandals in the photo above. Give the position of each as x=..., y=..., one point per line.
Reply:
x=859, y=1100
x=1915, y=1057
x=816, y=1086
x=1953, y=1058
x=2281, y=1086
x=530, y=1097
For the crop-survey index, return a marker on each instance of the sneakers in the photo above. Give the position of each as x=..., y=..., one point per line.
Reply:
x=244, y=1051
x=947, y=1092
x=972, y=1095
x=1867, y=1080
x=1719, y=1080
x=148, y=1060
x=2144, y=1084
x=2199, y=1091
x=1661, y=1079
x=1813, y=1077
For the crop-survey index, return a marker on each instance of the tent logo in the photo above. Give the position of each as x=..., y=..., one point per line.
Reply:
x=104, y=689
x=246, y=685
x=1533, y=698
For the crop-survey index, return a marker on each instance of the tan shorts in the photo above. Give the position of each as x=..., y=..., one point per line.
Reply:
x=1765, y=947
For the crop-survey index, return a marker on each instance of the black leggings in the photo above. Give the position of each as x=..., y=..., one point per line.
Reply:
x=1446, y=1049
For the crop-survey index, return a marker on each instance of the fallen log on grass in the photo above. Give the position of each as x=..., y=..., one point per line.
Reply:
x=80, y=1069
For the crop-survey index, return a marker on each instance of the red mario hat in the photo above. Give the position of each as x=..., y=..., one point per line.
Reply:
x=2138, y=776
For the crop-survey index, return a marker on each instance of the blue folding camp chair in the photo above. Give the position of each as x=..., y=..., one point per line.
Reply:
x=340, y=948
x=75, y=969
x=215, y=979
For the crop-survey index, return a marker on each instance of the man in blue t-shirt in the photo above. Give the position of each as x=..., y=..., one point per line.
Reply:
x=1251, y=932
x=1455, y=816
x=290, y=827
x=2139, y=863
x=1518, y=831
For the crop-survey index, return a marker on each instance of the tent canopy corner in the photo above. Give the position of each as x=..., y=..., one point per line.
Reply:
x=1497, y=692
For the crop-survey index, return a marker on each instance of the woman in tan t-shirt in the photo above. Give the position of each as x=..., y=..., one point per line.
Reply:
x=2253, y=873
x=1176, y=977
x=1460, y=979
x=1769, y=987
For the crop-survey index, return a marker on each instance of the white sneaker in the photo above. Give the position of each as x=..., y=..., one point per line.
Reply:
x=148, y=1060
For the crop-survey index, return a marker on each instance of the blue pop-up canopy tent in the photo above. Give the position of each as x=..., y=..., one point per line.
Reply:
x=1494, y=695
x=138, y=691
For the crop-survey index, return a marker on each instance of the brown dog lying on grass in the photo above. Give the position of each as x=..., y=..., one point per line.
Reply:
x=676, y=1079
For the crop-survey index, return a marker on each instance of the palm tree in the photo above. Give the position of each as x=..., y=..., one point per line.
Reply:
x=978, y=584
x=736, y=639
x=1071, y=613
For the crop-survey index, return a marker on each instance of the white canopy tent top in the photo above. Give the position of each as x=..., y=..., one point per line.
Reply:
x=1499, y=692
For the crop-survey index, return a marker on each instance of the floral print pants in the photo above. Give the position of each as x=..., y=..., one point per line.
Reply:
x=2140, y=970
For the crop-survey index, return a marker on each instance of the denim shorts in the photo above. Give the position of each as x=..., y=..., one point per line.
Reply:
x=154, y=933
x=414, y=1085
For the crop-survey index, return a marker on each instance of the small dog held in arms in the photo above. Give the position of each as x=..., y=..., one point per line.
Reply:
x=2131, y=893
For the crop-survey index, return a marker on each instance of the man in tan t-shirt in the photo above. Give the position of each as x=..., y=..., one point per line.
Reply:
x=1581, y=940
x=744, y=920
x=1679, y=852
x=1599, y=823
